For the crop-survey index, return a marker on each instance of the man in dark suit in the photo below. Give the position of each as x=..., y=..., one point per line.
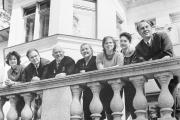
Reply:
x=153, y=45
x=62, y=65
x=36, y=70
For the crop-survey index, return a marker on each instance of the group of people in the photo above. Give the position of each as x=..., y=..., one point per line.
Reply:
x=152, y=46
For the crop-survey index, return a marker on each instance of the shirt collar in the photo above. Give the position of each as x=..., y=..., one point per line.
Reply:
x=37, y=66
x=149, y=41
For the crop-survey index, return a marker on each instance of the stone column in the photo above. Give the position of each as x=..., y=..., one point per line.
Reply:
x=26, y=113
x=95, y=105
x=12, y=113
x=76, y=107
x=139, y=102
x=116, y=102
x=165, y=99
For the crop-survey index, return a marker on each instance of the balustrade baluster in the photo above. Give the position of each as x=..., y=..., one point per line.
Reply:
x=76, y=107
x=40, y=94
x=165, y=99
x=177, y=97
x=95, y=105
x=2, y=102
x=12, y=113
x=139, y=102
x=116, y=102
x=27, y=113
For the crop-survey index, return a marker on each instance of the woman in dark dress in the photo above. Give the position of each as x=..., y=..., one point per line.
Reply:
x=129, y=57
x=87, y=63
x=14, y=75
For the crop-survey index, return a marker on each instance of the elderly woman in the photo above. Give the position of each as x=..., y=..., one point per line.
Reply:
x=87, y=63
x=108, y=58
x=14, y=75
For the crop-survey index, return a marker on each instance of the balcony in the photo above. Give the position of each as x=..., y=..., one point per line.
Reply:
x=60, y=97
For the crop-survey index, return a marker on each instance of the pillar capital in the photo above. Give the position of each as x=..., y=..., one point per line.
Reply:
x=163, y=75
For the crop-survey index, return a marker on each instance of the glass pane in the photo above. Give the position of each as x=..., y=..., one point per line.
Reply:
x=29, y=25
x=45, y=5
x=44, y=8
x=44, y=24
x=28, y=11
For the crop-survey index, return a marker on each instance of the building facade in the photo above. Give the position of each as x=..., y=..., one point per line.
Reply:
x=42, y=24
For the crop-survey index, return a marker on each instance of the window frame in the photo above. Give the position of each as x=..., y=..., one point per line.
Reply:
x=37, y=32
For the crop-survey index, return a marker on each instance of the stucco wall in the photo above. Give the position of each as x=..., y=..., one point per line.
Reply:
x=2, y=71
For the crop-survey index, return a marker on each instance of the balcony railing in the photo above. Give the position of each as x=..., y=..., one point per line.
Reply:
x=60, y=97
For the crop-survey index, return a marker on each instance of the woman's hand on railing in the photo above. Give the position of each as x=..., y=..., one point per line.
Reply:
x=60, y=75
x=9, y=82
x=35, y=78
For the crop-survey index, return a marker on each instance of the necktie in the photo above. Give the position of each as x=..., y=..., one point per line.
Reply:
x=57, y=65
x=148, y=44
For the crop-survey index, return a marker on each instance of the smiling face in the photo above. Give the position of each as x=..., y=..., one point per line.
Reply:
x=124, y=42
x=13, y=61
x=109, y=44
x=86, y=51
x=34, y=57
x=58, y=53
x=145, y=30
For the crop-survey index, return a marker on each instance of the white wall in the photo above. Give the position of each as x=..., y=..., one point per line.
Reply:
x=106, y=17
x=159, y=10
x=61, y=17
x=2, y=70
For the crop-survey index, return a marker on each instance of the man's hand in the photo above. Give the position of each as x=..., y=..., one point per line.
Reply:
x=35, y=78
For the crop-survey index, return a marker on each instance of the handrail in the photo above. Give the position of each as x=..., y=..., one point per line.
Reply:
x=147, y=69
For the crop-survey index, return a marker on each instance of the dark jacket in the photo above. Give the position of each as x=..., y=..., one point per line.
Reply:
x=66, y=65
x=81, y=65
x=161, y=46
x=30, y=70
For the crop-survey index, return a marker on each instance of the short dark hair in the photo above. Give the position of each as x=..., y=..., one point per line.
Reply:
x=31, y=50
x=104, y=40
x=127, y=35
x=138, y=24
x=13, y=53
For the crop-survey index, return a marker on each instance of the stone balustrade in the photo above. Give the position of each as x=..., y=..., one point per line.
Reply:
x=61, y=96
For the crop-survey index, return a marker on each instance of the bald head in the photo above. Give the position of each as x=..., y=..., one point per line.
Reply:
x=58, y=53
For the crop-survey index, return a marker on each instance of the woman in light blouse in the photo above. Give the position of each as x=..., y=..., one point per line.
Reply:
x=108, y=58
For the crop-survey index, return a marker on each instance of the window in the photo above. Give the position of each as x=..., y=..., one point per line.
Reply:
x=36, y=20
x=44, y=19
x=29, y=22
